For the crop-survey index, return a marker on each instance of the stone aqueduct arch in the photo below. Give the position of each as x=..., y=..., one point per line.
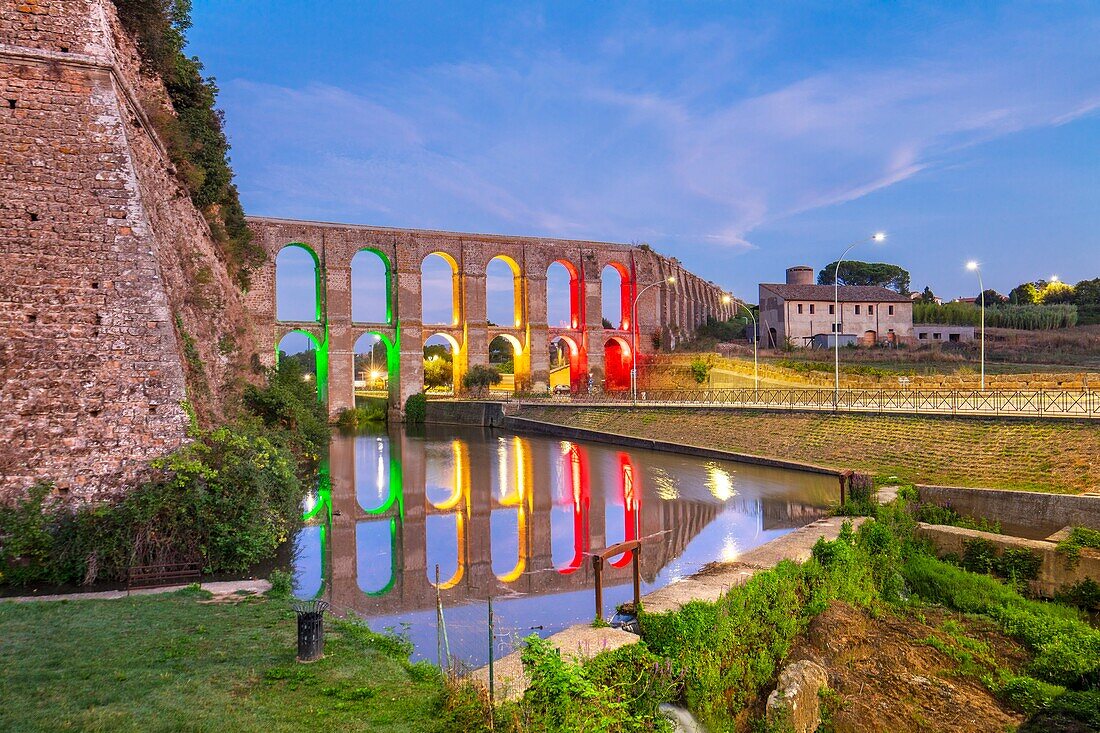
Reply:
x=669, y=312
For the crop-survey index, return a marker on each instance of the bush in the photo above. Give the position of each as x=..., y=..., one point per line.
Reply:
x=282, y=584
x=480, y=377
x=935, y=514
x=289, y=403
x=700, y=369
x=355, y=418
x=416, y=409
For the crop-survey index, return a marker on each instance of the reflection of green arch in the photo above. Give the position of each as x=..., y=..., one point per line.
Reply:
x=393, y=563
x=389, y=278
x=320, y=351
x=318, y=290
x=396, y=492
x=324, y=495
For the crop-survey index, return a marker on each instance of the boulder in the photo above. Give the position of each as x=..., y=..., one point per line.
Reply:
x=794, y=704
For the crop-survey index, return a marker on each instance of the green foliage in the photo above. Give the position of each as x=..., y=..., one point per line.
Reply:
x=731, y=330
x=700, y=369
x=480, y=377
x=355, y=418
x=289, y=403
x=1084, y=594
x=979, y=555
x=282, y=584
x=416, y=409
x=438, y=373
x=854, y=272
x=1079, y=537
x=194, y=135
x=935, y=514
x=1026, y=317
x=1027, y=694
x=1024, y=294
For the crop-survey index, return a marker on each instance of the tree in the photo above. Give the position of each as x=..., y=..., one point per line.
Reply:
x=480, y=377
x=1024, y=294
x=1087, y=292
x=1057, y=292
x=437, y=373
x=927, y=296
x=854, y=272
x=700, y=369
x=991, y=297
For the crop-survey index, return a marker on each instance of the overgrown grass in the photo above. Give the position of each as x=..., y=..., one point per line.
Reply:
x=173, y=662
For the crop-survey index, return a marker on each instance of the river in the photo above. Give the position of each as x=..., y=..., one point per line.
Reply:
x=512, y=516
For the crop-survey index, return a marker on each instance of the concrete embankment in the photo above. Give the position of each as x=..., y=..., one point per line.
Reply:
x=584, y=641
x=1024, y=513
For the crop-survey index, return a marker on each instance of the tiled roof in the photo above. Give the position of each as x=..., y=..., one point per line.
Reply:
x=848, y=293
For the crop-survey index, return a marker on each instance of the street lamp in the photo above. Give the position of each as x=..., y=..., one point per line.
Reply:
x=634, y=336
x=973, y=267
x=876, y=237
x=755, y=339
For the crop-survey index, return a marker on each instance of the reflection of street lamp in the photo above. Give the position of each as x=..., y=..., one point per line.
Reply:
x=727, y=299
x=876, y=237
x=634, y=336
x=973, y=267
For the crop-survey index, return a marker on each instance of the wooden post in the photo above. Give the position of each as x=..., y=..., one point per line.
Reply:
x=597, y=568
x=637, y=563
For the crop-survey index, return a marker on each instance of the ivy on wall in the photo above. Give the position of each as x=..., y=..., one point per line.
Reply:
x=195, y=135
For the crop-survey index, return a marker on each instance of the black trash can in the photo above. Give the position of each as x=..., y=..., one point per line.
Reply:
x=311, y=629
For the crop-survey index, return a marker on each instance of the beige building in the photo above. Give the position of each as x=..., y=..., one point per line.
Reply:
x=803, y=313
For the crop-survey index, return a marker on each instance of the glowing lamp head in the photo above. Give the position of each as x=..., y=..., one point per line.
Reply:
x=374, y=375
x=972, y=265
x=726, y=300
x=1054, y=278
x=671, y=280
x=878, y=237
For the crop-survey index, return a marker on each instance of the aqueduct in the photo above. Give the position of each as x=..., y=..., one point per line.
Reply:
x=666, y=313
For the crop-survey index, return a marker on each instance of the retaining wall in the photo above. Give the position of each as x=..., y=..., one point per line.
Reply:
x=1029, y=513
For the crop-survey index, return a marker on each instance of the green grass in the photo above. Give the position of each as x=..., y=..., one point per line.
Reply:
x=170, y=662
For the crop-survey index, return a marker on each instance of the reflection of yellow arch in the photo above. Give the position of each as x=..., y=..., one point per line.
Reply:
x=460, y=570
x=522, y=500
x=460, y=486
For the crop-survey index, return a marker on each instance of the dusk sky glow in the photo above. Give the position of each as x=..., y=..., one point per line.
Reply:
x=740, y=137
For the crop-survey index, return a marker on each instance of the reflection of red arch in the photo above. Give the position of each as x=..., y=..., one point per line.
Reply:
x=576, y=468
x=616, y=361
x=630, y=489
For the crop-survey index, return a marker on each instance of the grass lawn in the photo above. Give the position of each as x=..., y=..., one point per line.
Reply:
x=173, y=662
x=1034, y=455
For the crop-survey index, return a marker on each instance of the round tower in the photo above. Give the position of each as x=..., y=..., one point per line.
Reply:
x=800, y=275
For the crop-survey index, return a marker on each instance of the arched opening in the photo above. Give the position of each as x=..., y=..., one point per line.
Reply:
x=447, y=492
x=372, y=367
x=617, y=363
x=503, y=289
x=569, y=518
x=563, y=296
x=567, y=365
x=375, y=555
x=504, y=354
x=440, y=367
x=773, y=338
x=373, y=488
x=439, y=290
x=297, y=284
x=870, y=338
x=308, y=356
x=309, y=561
x=370, y=288
x=615, y=294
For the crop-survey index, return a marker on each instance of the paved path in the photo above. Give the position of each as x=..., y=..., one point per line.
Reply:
x=584, y=641
x=221, y=588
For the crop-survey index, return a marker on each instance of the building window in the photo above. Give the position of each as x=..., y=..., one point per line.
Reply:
x=857, y=310
x=870, y=310
x=834, y=326
x=811, y=309
x=922, y=335
x=891, y=310
x=832, y=310
x=799, y=309
x=937, y=336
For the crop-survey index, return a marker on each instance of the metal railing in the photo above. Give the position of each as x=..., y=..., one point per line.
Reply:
x=1083, y=403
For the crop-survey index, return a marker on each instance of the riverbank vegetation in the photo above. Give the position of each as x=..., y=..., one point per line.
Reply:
x=227, y=499
x=1034, y=455
x=1020, y=660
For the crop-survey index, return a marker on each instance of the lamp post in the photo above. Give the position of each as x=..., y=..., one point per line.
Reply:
x=755, y=339
x=876, y=237
x=634, y=336
x=973, y=267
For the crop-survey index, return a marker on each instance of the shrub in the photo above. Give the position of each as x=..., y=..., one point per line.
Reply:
x=355, y=418
x=480, y=377
x=1079, y=537
x=1085, y=594
x=700, y=369
x=289, y=403
x=282, y=584
x=1027, y=694
x=416, y=408
x=935, y=514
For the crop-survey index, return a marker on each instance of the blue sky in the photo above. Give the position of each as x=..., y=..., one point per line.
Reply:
x=740, y=137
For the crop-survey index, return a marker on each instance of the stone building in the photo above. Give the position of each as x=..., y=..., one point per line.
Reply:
x=803, y=313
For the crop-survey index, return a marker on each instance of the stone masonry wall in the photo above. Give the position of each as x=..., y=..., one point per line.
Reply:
x=98, y=244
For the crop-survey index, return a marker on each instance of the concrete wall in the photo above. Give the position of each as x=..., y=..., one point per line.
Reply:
x=938, y=333
x=1055, y=572
x=666, y=312
x=1029, y=513
x=99, y=251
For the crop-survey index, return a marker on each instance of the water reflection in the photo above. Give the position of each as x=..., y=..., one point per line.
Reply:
x=468, y=513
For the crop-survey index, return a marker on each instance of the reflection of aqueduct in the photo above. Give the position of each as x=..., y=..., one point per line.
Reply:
x=665, y=313
x=473, y=499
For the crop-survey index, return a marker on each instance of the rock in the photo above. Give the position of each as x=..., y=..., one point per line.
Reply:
x=794, y=704
x=682, y=719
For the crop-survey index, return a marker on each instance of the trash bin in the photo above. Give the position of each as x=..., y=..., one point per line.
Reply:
x=311, y=629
